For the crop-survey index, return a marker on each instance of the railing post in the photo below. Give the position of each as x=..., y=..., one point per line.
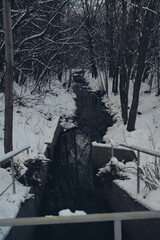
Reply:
x=138, y=171
x=156, y=169
x=13, y=179
x=117, y=230
x=112, y=150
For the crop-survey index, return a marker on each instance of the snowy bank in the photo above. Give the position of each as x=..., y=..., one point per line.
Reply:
x=35, y=120
x=9, y=202
x=146, y=135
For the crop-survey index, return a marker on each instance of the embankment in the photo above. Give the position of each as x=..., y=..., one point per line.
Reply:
x=32, y=207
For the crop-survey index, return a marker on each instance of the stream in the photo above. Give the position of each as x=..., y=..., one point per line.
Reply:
x=70, y=184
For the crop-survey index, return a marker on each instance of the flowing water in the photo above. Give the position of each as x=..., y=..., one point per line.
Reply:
x=71, y=181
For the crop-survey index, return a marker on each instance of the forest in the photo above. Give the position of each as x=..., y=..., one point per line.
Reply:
x=117, y=39
x=46, y=46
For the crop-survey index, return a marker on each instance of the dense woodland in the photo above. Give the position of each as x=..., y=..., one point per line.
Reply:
x=117, y=38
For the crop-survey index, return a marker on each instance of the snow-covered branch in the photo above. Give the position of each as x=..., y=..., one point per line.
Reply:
x=144, y=8
x=35, y=36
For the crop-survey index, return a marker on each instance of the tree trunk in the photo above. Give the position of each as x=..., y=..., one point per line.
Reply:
x=92, y=55
x=69, y=50
x=94, y=69
x=60, y=70
x=124, y=86
x=70, y=78
x=124, y=79
x=158, y=50
x=143, y=47
x=158, y=75
x=8, y=125
x=115, y=80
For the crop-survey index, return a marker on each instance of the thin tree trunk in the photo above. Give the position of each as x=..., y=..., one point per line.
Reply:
x=8, y=125
x=124, y=80
x=92, y=55
x=69, y=51
x=158, y=75
x=94, y=68
x=158, y=57
x=124, y=86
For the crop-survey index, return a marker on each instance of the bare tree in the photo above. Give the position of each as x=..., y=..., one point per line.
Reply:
x=38, y=40
x=8, y=126
x=158, y=50
x=91, y=11
x=124, y=78
x=143, y=48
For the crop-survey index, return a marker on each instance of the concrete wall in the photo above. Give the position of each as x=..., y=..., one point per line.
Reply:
x=32, y=207
x=101, y=154
x=51, y=146
x=119, y=201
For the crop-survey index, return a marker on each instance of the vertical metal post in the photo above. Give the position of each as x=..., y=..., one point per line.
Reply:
x=13, y=179
x=112, y=150
x=156, y=168
x=117, y=230
x=138, y=172
x=27, y=150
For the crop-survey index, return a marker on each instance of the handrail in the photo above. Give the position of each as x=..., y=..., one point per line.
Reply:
x=117, y=218
x=10, y=156
x=138, y=149
x=100, y=217
x=13, y=154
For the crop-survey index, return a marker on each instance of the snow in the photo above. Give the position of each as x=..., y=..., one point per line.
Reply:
x=36, y=117
x=146, y=136
x=115, y=144
x=9, y=202
x=67, y=212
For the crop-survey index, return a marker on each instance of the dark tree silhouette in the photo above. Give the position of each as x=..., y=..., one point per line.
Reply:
x=8, y=126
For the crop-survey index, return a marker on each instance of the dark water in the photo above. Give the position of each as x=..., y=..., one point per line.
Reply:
x=71, y=181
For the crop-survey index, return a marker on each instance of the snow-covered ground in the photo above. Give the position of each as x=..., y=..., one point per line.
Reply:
x=35, y=120
x=146, y=135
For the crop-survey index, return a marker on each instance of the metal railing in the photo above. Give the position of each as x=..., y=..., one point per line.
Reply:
x=117, y=218
x=139, y=150
x=10, y=156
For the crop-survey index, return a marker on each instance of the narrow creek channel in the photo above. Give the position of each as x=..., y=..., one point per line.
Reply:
x=71, y=181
